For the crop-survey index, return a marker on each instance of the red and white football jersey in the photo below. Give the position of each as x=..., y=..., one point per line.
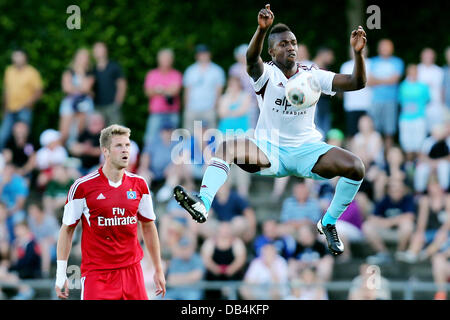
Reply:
x=109, y=214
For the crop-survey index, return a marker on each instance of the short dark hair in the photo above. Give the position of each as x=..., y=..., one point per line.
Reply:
x=276, y=29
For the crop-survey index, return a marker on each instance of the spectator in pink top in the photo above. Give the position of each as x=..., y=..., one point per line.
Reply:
x=162, y=87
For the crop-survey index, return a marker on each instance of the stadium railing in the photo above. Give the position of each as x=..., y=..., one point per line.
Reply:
x=409, y=287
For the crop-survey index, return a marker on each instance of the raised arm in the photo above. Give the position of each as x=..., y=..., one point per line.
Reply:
x=255, y=65
x=357, y=80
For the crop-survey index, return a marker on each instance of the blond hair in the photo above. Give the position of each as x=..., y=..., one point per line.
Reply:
x=113, y=130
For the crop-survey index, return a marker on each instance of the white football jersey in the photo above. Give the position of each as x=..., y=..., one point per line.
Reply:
x=279, y=122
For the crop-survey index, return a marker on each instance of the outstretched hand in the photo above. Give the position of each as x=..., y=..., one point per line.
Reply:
x=265, y=17
x=358, y=39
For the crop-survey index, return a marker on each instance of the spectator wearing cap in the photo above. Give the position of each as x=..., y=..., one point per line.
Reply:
x=203, y=82
x=162, y=86
x=22, y=89
x=239, y=70
x=51, y=153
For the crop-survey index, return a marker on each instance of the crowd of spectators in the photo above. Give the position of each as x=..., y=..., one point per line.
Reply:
x=399, y=125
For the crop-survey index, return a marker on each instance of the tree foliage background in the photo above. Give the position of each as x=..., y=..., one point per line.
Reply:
x=135, y=30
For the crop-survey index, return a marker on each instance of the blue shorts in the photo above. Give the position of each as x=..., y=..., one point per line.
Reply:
x=292, y=161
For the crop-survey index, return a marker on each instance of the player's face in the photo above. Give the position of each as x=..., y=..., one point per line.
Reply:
x=118, y=153
x=285, y=49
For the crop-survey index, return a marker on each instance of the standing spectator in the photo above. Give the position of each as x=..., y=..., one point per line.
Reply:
x=185, y=268
x=239, y=70
x=234, y=115
x=22, y=88
x=323, y=59
x=270, y=272
x=434, y=158
x=224, y=256
x=413, y=97
x=396, y=210
x=45, y=229
x=369, y=285
x=50, y=154
x=385, y=73
x=13, y=192
x=446, y=82
x=310, y=252
x=203, y=82
x=162, y=86
x=19, y=150
x=300, y=209
x=110, y=85
x=87, y=146
x=432, y=75
x=356, y=103
x=77, y=83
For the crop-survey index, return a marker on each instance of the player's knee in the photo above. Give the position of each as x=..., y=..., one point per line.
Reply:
x=357, y=169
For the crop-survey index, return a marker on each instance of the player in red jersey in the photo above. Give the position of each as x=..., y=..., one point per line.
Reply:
x=109, y=202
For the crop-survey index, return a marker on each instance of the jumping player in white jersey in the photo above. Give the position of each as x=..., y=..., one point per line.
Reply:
x=286, y=141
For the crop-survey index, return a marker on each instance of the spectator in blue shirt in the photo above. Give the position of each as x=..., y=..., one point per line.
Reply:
x=13, y=192
x=299, y=209
x=413, y=97
x=185, y=268
x=285, y=244
x=385, y=73
x=203, y=82
x=395, y=210
x=446, y=83
x=230, y=206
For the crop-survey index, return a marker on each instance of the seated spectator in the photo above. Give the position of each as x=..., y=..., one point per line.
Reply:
x=440, y=262
x=87, y=146
x=157, y=165
x=224, y=256
x=77, y=84
x=307, y=287
x=185, y=268
x=45, y=229
x=19, y=150
x=299, y=209
x=24, y=264
x=434, y=213
x=55, y=194
x=367, y=143
x=229, y=206
x=266, y=277
x=434, y=158
x=4, y=233
x=13, y=192
x=50, y=154
x=395, y=211
x=350, y=228
x=310, y=252
x=413, y=97
x=369, y=285
x=285, y=244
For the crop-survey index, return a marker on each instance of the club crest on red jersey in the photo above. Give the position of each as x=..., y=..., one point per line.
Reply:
x=131, y=194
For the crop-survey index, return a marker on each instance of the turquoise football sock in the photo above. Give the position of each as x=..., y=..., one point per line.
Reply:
x=346, y=190
x=215, y=176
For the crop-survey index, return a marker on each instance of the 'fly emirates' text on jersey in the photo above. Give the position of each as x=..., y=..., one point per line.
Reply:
x=109, y=214
x=279, y=122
